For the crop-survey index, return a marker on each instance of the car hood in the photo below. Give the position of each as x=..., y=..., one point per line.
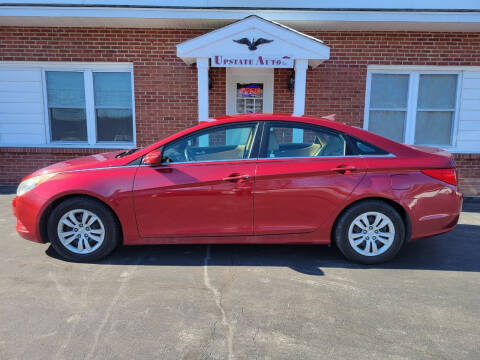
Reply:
x=96, y=161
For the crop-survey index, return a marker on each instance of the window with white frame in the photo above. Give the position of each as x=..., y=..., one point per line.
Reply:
x=90, y=107
x=413, y=107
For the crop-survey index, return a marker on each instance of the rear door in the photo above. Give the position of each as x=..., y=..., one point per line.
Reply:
x=203, y=188
x=304, y=174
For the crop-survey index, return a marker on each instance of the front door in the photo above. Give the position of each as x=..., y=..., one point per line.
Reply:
x=204, y=187
x=249, y=90
x=304, y=174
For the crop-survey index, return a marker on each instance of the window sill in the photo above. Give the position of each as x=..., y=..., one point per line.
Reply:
x=71, y=150
x=59, y=145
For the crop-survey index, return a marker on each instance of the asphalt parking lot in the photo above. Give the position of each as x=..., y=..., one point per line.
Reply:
x=242, y=302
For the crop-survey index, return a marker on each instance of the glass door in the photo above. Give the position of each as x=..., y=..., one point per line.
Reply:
x=249, y=98
x=249, y=90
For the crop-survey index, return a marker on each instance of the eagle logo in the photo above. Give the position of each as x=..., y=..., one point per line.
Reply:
x=252, y=45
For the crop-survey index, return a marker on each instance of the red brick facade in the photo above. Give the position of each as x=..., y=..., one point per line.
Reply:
x=166, y=88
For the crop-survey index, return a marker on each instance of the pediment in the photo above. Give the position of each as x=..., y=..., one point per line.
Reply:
x=253, y=37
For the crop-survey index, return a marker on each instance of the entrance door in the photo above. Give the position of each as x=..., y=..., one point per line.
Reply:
x=249, y=90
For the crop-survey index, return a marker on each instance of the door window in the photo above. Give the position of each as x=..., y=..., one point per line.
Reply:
x=297, y=141
x=249, y=98
x=215, y=144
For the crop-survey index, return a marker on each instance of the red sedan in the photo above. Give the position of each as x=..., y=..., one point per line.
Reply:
x=267, y=179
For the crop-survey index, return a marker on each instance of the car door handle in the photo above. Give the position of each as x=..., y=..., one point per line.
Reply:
x=343, y=169
x=236, y=177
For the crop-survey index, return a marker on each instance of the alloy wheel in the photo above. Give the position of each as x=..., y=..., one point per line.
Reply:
x=371, y=233
x=81, y=231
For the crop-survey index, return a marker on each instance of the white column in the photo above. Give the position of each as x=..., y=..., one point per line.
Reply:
x=202, y=70
x=300, y=84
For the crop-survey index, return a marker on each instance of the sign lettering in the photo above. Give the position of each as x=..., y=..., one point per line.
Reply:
x=265, y=61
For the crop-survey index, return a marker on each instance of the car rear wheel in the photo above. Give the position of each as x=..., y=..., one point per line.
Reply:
x=83, y=229
x=370, y=232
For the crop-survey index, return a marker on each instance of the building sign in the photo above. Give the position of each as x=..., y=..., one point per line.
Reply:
x=257, y=61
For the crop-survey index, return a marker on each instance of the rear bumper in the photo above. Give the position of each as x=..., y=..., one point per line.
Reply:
x=437, y=214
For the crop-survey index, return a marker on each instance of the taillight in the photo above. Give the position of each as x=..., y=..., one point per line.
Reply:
x=447, y=175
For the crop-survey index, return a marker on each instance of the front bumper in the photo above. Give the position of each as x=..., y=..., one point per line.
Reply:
x=27, y=211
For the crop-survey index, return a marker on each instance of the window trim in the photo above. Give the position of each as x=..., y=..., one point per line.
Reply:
x=412, y=98
x=91, y=121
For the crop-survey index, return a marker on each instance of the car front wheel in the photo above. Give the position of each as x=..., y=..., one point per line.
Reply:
x=370, y=232
x=83, y=229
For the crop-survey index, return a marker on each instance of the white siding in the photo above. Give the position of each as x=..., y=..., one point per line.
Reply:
x=21, y=107
x=468, y=136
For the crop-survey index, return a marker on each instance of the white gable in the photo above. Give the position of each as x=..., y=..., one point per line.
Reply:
x=278, y=41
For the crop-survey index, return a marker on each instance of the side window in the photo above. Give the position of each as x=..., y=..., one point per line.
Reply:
x=364, y=148
x=297, y=141
x=218, y=143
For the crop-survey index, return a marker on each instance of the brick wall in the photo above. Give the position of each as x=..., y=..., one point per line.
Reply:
x=468, y=166
x=15, y=163
x=165, y=88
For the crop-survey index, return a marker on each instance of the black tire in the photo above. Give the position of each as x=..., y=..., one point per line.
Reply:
x=112, y=232
x=346, y=219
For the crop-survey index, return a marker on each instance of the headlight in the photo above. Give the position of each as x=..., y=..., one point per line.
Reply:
x=29, y=184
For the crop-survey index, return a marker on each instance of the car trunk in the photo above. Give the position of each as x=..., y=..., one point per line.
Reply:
x=449, y=162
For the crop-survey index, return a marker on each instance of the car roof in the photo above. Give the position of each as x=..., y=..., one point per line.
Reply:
x=226, y=119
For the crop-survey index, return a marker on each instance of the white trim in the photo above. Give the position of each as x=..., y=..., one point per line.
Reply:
x=46, y=139
x=398, y=69
x=411, y=111
x=249, y=75
x=317, y=17
x=366, y=108
x=301, y=66
x=90, y=107
x=72, y=66
x=202, y=88
x=456, y=118
x=66, y=145
x=414, y=73
x=134, y=124
x=284, y=4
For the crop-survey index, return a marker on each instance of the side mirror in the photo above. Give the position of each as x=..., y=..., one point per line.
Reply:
x=153, y=158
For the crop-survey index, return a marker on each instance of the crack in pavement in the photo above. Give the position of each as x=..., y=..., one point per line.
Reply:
x=125, y=277
x=76, y=316
x=217, y=295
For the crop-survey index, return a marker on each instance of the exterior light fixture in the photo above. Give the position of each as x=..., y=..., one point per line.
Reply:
x=291, y=81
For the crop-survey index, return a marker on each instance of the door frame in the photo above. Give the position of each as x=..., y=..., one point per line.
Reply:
x=249, y=75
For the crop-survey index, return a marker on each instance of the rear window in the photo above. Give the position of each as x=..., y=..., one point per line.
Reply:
x=363, y=148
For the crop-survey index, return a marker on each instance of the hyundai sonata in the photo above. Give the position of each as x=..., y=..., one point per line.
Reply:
x=265, y=179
